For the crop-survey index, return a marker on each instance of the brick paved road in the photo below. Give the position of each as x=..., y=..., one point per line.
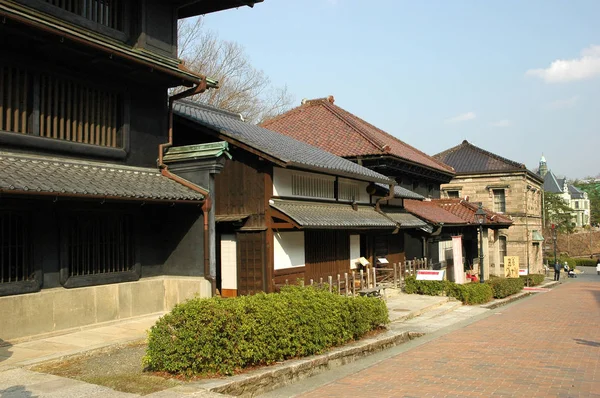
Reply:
x=545, y=346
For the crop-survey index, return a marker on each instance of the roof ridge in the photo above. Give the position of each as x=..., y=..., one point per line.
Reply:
x=498, y=157
x=210, y=108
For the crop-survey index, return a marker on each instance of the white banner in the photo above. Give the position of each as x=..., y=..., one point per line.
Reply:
x=429, y=275
x=522, y=272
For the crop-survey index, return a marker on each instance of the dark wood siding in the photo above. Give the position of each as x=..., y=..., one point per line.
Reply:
x=240, y=189
x=251, y=262
x=390, y=246
x=327, y=253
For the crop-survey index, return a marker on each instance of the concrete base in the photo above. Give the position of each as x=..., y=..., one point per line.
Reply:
x=59, y=309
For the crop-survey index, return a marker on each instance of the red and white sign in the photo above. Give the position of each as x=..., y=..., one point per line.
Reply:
x=429, y=275
x=522, y=272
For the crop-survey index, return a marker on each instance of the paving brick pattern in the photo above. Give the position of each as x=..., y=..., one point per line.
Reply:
x=547, y=346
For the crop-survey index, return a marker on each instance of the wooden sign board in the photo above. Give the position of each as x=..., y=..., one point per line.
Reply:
x=511, y=266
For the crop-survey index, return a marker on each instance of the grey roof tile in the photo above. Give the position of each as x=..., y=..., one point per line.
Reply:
x=320, y=215
x=285, y=149
x=401, y=192
x=31, y=174
x=403, y=217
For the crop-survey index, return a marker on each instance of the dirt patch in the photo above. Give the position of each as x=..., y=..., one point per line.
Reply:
x=119, y=368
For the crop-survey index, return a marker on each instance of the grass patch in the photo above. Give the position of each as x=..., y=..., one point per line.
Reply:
x=119, y=368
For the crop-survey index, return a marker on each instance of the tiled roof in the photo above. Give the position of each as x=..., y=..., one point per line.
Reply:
x=553, y=184
x=287, y=150
x=453, y=212
x=400, y=192
x=321, y=123
x=332, y=215
x=403, y=217
x=468, y=158
x=42, y=175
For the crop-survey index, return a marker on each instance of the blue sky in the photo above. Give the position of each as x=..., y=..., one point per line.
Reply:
x=517, y=78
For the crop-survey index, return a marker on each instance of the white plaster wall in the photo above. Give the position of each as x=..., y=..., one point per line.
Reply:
x=289, y=249
x=354, y=250
x=228, y=262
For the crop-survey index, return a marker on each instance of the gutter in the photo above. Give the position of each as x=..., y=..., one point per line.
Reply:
x=207, y=203
x=389, y=196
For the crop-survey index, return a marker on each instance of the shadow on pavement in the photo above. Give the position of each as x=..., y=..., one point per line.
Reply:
x=587, y=342
x=5, y=352
x=16, y=391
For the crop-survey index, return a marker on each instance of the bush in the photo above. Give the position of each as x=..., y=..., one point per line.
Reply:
x=427, y=288
x=221, y=336
x=471, y=293
x=504, y=287
x=534, y=279
x=585, y=262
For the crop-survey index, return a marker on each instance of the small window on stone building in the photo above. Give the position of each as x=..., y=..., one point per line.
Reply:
x=499, y=201
x=453, y=194
x=502, y=249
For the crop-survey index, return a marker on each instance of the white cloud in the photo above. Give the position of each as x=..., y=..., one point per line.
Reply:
x=501, y=123
x=461, y=118
x=563, y=103
x=566, y=70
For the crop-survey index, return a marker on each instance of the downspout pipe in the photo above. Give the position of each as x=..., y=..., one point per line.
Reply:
x=389, y=196
x=207, y=204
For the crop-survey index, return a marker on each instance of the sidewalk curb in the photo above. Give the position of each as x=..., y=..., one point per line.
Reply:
x=289, y=372
x=420, y=312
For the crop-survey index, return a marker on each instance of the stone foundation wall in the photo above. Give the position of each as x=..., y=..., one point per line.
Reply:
x=59, y=309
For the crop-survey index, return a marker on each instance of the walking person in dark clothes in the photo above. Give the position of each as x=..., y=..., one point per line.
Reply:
x=557, y=268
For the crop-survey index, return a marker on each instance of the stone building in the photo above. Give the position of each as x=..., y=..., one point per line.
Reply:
x=575, y=198
x=506, y=187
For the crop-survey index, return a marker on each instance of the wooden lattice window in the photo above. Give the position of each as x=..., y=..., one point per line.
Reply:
x=74, y=111
x=313, y=186
x=60, y=108
x=348, y=190
x=16, y=263
x=15, y=100
x=98, y=244
x=105, y=12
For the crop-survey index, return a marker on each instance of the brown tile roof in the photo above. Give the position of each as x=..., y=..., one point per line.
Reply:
x=321, y=123
x=44, y=175
x=467, y=158
x=453, y=212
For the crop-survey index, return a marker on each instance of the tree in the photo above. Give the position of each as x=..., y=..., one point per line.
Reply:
x=557, y=212
x=242, y=88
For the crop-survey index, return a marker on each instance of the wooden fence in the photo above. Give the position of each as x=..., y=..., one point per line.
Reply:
x=368, y=278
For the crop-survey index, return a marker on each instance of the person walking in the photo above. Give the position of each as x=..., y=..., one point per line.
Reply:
x=598, y=266
x=557, y=268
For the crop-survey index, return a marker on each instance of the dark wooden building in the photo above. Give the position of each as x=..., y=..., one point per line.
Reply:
x=286, y=210
x=83, y=118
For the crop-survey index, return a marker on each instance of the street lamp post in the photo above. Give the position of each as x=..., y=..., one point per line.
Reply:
x=480, y=217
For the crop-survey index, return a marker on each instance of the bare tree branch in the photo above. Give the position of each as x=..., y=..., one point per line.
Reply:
x=243, y=88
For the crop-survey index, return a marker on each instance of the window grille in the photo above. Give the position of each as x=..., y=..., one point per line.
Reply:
x=15, y=250
x=348, y=190
x=68, y=110
x=313, y=186
x=499, y=201
x=15, y=100
x=99, y=244
x=105, y=12
x=74, y=112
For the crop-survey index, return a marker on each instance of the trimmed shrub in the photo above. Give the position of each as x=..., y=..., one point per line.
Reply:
x=471, y=293
x=207, y=336
x=427, y=288
x=585, y=262
x=504, y=287
x=534, y=279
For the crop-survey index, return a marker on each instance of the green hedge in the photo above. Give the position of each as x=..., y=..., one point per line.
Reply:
x=504, y=287
x=469, y=293
x=207, y=336
x=534, y=279
x=585, y=262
